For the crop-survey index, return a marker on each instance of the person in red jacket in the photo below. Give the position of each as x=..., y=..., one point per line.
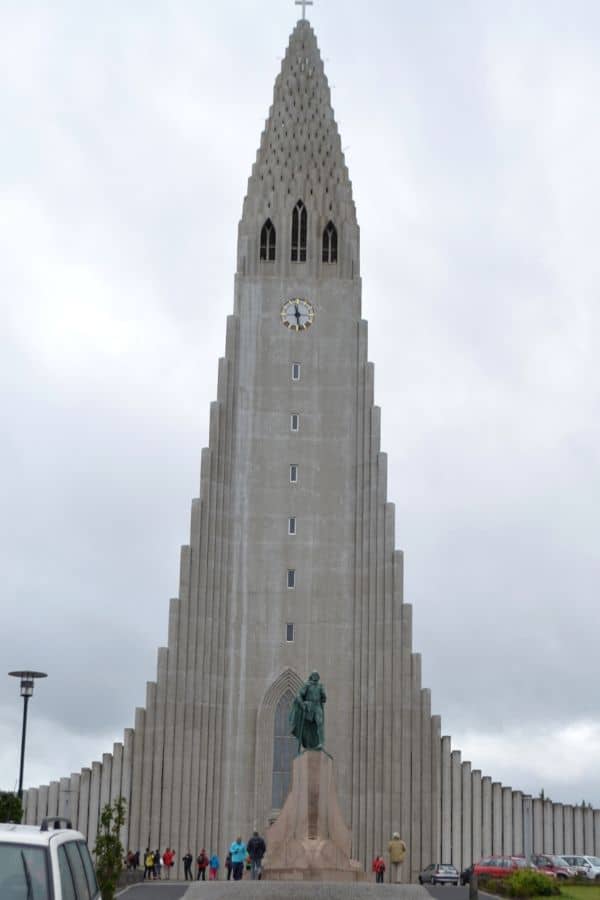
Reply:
x=168, y=860
x=202, y=863
x=379, y=868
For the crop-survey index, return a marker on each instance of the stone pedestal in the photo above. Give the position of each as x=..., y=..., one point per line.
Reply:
x=310, y=840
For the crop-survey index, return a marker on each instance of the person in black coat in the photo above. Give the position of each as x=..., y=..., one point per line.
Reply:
x=256, y=850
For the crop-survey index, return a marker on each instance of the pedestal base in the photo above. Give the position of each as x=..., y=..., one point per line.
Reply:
x=310, y=840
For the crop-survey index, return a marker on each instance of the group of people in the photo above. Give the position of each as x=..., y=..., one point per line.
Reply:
x=154, y=862
x=245, y=856
x=397, y=852
x=239, y=857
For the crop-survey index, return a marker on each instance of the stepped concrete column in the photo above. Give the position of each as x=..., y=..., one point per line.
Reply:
x=94, y=802
x=578, y=829
x=588, y=830
x=53, y=795
x=74, y=785
x=568, y=829
x=486, y=815
x=496, y=818
x=517, y=804
x=476, y=828
x=527, y=826
x=548, y=827
x=63, y=797
x=83, y=813
x=31, y=815
x=446, y=779
x=507, y=822
x=456, y=851
x=42, y=810
x=558, y=828
x=467, y=817
x=538, y=825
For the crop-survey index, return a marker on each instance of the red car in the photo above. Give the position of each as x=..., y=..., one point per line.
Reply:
x=554, y=866
x=499, y=866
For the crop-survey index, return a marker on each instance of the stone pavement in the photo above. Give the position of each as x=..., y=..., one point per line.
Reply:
x=303, y=890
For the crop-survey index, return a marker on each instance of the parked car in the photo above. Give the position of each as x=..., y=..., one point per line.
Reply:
x=554, y=866
x=585, y=865
x=499, y=866
x=47, y=862
x=439, y=873
x=465, y=875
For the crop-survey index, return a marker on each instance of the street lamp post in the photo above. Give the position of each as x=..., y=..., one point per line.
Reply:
x=27, y=680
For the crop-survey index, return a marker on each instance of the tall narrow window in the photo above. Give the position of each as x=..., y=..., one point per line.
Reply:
x=293, y=473
x=292, y=525
x=291, y=579
x=295, y=371
x=330, y=243
x=285, y=747
x=267, y=241
x=289, y=632
x=299, y=230
x=294, y=422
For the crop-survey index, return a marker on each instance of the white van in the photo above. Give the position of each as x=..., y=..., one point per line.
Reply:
x=586, y=865
x=46, y=862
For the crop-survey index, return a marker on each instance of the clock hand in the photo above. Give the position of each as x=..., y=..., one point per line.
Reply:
x=297, y=312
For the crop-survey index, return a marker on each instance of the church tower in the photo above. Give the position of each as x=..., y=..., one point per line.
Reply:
x=292, y=566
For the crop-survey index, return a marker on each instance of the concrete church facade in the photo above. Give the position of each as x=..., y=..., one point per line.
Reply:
x=292, y=564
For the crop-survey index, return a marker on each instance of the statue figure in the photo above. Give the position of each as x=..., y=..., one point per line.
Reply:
x=307, y=718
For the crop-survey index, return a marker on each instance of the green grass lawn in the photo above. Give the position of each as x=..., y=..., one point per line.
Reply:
x=580, y=891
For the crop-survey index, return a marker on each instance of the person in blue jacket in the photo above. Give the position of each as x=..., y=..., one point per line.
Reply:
x=238, y=856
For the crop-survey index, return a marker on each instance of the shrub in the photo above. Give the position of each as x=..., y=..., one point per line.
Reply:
x=529, y=883
x=11, y=809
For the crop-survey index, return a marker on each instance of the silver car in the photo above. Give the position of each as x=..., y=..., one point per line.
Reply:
x=439, y=873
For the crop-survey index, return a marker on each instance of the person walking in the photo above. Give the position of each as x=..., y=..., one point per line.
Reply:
x=238, y=856
x=228, y=866
x=214, y=866
x=256, y=850
x=188, y=859
x=202, y=863
x=397, y=851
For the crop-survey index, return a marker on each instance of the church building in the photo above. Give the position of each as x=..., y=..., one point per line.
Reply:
x=292, y=565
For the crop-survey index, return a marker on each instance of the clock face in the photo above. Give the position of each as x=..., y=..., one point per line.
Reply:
x=297, y=315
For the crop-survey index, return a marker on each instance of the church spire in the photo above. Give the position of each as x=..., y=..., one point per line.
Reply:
x=300, y=155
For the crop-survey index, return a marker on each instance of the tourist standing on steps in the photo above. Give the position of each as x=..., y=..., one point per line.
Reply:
x=215, y=865
x=397, y=851
x=148, y=864
x=202, y=863
x=238, y=856
x=188, y=859
x=256, y=850
x=379, y=869
x=168, y=860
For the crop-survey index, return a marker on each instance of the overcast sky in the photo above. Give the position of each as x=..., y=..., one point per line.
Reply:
x=472, y=136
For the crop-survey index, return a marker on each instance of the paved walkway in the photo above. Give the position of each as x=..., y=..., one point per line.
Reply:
x=303, y=890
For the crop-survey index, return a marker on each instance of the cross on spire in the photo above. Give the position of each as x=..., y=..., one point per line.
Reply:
x=303, y=4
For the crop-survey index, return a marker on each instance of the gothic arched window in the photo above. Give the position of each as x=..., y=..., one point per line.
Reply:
x=284, y=751
x=299, y=229
x=330, y=243
x=267, y=241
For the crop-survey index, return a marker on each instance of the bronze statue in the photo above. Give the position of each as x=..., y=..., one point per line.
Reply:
x=307, y=718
